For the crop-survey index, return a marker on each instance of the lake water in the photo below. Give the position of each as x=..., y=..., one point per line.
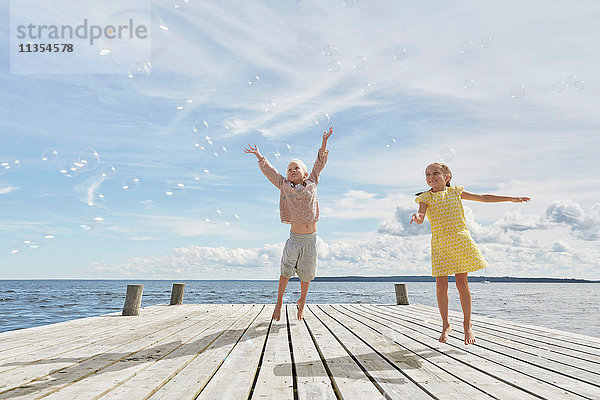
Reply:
x=573, y=307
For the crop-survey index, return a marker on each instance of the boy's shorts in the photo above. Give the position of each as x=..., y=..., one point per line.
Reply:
x=300, y=256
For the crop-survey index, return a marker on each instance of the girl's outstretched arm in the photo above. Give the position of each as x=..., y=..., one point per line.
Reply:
x=492, y=198
x=419, y=216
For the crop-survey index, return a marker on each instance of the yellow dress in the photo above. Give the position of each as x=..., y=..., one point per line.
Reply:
x=453, y=251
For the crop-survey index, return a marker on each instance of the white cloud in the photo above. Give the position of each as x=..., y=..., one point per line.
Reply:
x=583, y=225
x=8, y=189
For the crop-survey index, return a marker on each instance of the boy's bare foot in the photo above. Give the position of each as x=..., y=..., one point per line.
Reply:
x=300, y=309
x=469, y=335
x=277, y=312
x=445, y=332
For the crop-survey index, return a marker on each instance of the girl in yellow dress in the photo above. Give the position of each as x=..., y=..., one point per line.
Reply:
x=453, y=251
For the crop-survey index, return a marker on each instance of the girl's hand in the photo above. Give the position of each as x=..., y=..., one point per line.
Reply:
x=253, y=150
x=417, y=218
x=520, y=199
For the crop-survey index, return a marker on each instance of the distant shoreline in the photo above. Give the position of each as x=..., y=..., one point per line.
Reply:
x=395, y=278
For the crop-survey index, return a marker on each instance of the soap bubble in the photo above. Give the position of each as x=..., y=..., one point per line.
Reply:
x=366, y=88
x=220, y=151
x=334, y=66
x=108, y=171
x=469, y=84
x=270, y=106
x=322, y=119
x=390, y=143
x=130, y=184
x=285, y=149
x=200, y=126
x=446, y=154
x=49, y=155
x=486, y=42
x=140, y=71
x=255, y=80
x=570, y=81
x=329, y=50
x=400, y=53
x=203, y=144
x=558, y=87
x=231, y=123
x=10, y=165
x=347, y=3
x=579, y=85
x=71, y=168
x=89, y=159
x=359, y=62
x=517, y=91
x=174, y=189
x=200, y=174
x=466, y=47
x=97, y=199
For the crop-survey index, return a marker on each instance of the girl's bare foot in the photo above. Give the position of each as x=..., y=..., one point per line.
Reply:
x=445, y=332
x=277, y=312
x=469, y=335
x=300, y=303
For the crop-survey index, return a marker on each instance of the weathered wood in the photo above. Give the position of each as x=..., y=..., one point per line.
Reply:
x=401, y=294
x=338, y=351
x=133, y=300
x=177, y=293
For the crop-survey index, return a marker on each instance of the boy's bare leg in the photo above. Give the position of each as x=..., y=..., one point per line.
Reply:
x=302, y=300
x=283, y=281
x=462, y=285
x=441, y=288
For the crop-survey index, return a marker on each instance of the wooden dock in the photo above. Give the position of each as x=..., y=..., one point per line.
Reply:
x=358, y=351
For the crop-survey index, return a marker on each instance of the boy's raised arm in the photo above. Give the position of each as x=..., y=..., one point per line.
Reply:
x=321, y=157
x=265, y=166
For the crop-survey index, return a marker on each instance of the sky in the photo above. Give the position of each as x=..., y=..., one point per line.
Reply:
x=506, y=93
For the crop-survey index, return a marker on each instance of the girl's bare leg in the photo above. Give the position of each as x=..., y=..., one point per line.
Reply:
x=302, y=300
x=441, y=287
x=283, y=281
x=462, y=284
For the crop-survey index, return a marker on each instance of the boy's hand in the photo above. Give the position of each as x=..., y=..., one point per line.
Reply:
x=253, y=150
x=327, y=134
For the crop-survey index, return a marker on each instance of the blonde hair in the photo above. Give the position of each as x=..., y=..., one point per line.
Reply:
x=300, y=164
x=445, y=169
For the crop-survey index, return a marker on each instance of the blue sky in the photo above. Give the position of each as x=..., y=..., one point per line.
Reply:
x=511, y=87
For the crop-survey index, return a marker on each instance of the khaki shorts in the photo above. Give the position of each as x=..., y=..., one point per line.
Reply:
x=300, y=257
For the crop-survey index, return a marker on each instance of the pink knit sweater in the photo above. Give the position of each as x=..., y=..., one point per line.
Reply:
x=298, y=204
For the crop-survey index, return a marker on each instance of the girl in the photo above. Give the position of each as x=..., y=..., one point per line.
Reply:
x=453, y=251
x=299, y=207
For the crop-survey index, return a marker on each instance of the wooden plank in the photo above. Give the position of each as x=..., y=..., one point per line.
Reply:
x=569, y=362
x=53, y=374
x=569, y=340
x=434, y=374
x=49, y=344
x=443, y=375
x=183, y=364
x=500, y=327
x=312, y=378
x=347, y=376
x=275, y=379
x=235, y=377
x=544, y=383
x=391, y=381
x=119, y=330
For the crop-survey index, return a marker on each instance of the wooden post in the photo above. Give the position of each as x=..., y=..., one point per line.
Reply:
x=401, y=294
x=133, y=300
x=177, y=293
